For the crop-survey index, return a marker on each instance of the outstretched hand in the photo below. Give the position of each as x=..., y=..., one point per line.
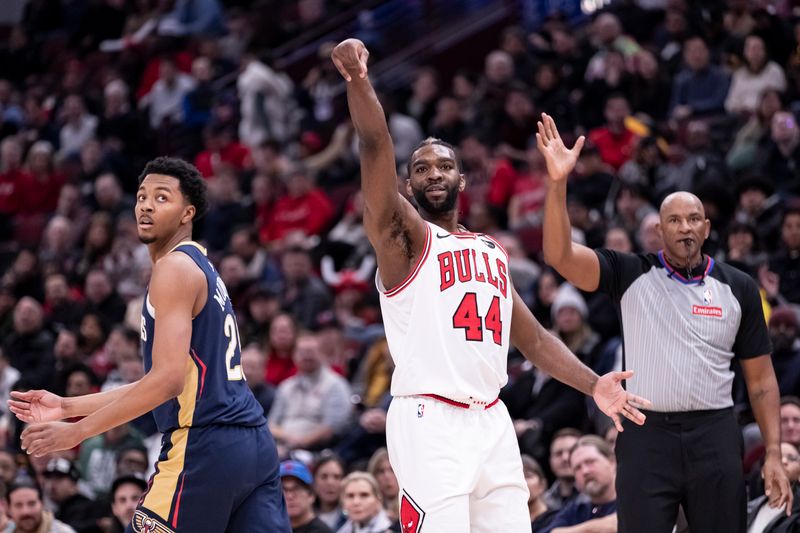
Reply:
x=36, y=406
x=614, y=401
x=350, y=57
x=41, y=439
x=776, y=485
x=560, y=160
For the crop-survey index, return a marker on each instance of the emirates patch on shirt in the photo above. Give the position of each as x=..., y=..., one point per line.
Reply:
x=704, y=310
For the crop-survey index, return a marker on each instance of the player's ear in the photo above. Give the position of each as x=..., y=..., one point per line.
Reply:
x=462, y=182
x=409, y=192
x=188, y=214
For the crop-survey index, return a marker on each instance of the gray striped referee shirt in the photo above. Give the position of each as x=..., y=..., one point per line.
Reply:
x=680, y=334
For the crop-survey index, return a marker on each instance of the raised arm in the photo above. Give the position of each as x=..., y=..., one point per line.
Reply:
x=175, y=287
x=550, y=355
x=577, y=263
x=392, y=224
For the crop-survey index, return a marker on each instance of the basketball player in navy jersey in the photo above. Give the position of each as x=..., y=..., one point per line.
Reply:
x=218, y=468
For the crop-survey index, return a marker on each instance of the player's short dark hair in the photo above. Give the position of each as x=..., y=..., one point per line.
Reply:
x=429, y=142
x=192, y=184
x=23, y=484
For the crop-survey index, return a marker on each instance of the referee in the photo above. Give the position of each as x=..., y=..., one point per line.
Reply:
x=684, y=319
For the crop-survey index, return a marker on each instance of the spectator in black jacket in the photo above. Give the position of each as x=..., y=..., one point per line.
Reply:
x=29, y=348
x=61, y=486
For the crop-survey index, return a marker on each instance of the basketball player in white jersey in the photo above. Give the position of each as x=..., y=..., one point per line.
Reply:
x=450, y=311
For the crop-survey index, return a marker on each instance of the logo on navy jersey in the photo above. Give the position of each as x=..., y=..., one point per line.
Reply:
x=411, y=515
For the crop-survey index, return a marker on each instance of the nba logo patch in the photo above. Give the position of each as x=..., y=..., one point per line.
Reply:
x=420, y=410
x=411, y=515
x=707, y=297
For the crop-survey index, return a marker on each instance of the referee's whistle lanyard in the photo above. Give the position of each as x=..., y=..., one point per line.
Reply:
x=687, y=278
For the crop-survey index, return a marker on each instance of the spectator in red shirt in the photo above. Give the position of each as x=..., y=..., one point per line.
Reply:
x=614, y=141
x=41, y=185
x=282, y=335
x=11, y=175
x=222, y=147
x=304, y=210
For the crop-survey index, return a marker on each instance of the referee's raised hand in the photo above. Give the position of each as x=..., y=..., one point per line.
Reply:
x=560, y=159
x=614, y=401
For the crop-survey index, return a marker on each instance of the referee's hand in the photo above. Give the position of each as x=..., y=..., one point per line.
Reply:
x=614, y=401
x=776, y=484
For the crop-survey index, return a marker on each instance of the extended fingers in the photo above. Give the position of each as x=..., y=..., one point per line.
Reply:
x=551, y=126
x=579, y=144
x=22, y=413
x=789, y=499
x=638, y=401
x=542, y=135
x=340, y=67
x=20, y=395
x=363, y=57
x=15, y=405
x=633, y=414
x=617, y=422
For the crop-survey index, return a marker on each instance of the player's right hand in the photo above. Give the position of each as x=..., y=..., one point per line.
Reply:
x=36, y=406
x=350, y=57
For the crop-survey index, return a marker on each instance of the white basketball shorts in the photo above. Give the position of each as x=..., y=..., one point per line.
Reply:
x=459, y=470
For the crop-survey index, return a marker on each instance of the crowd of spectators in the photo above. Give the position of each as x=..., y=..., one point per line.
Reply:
x=701, y=96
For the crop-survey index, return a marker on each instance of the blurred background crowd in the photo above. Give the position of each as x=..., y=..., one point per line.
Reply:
x=672, y=95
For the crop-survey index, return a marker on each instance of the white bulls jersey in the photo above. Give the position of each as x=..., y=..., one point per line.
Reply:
x=448, y=324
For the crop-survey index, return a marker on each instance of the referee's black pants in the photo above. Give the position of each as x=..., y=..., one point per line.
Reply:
x=693, y=459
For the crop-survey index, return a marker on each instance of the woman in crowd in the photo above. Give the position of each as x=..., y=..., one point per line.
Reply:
x=363, y=505
x=328, y=475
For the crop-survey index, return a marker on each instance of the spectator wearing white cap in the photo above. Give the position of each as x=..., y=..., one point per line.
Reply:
x=570, y=314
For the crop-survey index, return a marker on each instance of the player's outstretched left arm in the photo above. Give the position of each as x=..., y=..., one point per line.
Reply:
x=175, y=286
x=549, y=354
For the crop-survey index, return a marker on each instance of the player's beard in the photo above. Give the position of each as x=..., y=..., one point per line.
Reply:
x=445, y=206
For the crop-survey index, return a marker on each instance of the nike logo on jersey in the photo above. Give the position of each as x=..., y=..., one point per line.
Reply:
x=443, y=236
x=490, y=244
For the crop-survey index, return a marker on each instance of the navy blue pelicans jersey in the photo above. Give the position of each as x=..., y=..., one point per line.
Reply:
x=214, y=390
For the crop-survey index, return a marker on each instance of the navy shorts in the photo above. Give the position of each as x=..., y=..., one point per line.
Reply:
x=214, y=479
